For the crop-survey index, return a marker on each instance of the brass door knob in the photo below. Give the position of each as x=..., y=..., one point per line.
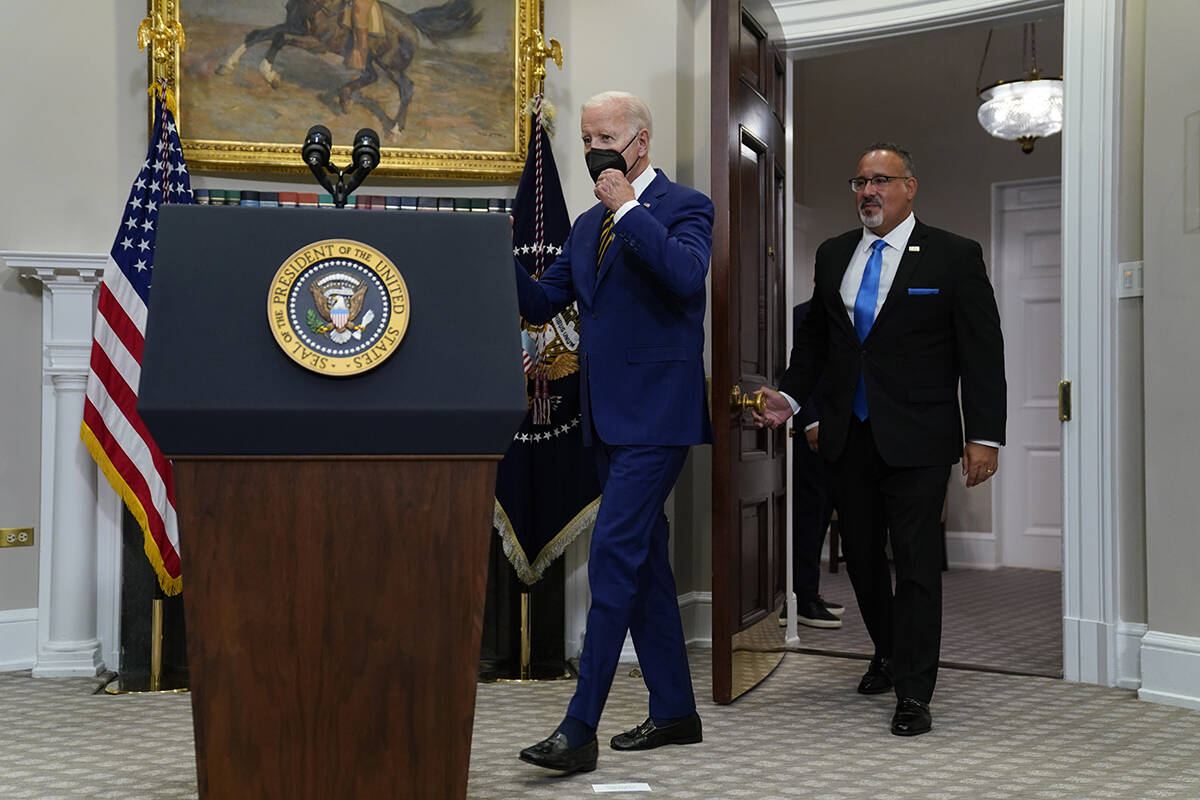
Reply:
x=744, y=402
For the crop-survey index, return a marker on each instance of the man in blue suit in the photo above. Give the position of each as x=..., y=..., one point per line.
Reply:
x=636, y=264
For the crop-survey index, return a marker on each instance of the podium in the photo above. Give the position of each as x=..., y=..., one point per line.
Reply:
x=334, y=530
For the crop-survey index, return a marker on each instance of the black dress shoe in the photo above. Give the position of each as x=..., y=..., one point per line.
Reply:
x=912, y=717
x=554, y=753
x=648, y=736
x=837, y=609
x=878, y=677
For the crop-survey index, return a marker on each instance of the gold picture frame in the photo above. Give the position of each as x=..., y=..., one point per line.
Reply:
x=465, y=119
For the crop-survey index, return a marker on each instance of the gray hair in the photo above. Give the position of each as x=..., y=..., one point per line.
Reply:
x=636, y=112
x=892, y=147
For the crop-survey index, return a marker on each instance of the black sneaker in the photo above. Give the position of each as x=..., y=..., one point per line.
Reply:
x=837, y=609
x=815, y=615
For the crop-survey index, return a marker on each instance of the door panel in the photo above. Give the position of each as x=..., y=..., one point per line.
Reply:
x=1028, y=270
x=748, y=323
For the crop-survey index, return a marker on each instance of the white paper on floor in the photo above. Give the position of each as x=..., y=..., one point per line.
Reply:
x=604, y=788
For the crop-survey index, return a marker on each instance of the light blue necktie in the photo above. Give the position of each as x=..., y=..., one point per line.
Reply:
x=864, y=316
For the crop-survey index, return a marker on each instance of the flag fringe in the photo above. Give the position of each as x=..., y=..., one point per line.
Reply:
x=515, y=554
x=171, y=585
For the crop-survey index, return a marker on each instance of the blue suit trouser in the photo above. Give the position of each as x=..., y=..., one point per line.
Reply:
x=632, y=586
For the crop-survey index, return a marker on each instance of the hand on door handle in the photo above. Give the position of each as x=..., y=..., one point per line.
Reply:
x=770, y=408
x=747, y=402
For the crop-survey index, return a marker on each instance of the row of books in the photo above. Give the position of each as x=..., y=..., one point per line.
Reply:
x=373, y=202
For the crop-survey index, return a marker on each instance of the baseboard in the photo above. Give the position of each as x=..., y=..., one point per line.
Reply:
x=1170, y=669
x=696, y=610
x=18, y=639
x=971, y=549
x=1129, y=654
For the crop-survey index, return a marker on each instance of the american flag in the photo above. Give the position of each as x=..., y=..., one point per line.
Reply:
x=112, y=430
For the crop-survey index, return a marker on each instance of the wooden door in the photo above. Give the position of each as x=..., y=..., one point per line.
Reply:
x=749, y=494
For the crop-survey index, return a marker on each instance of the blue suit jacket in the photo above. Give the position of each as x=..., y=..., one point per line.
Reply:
x=641, y=312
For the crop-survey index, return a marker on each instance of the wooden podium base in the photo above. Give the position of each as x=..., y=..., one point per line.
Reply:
x=334, y=612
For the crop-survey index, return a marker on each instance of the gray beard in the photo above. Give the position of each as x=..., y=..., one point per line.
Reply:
x=873, y=221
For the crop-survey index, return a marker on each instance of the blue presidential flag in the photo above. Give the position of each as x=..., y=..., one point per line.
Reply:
x=547, y=491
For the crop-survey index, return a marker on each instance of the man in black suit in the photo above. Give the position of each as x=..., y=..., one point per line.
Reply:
x=812, y=508
x=903, y=318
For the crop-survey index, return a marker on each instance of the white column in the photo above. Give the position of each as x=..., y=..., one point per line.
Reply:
x=1092, y=31
x=67, y=582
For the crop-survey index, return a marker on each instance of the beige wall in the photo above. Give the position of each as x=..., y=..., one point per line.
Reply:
x=918, y=91
x=670, y=72
x=1172, y=325
x=1131, y=501
x=70, y=148
x=82, y=135
x=20, y=446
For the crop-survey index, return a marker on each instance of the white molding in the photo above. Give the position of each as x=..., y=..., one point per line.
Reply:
x=576, y=594
x=1092, y=38
x=816, y=27
x=1129, y=654
x=18, y=639
x=69, y=609
x=1170, y=669
x=971, y=550
x=695, y=608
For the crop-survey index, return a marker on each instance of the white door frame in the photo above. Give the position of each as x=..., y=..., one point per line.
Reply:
x=1092, y=41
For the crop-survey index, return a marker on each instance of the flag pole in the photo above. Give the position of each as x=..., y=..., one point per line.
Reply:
x=526, y=666
x=536, y=50
x=156, y=637
x=162, y=32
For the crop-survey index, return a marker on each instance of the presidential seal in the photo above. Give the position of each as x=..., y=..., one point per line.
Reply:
x=338, y=307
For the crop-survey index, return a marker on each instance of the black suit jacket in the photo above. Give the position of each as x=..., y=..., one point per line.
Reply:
x=810, y=411
x=938, y=329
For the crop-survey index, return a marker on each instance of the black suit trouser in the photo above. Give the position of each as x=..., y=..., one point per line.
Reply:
x=876, y=501
x=812, y=508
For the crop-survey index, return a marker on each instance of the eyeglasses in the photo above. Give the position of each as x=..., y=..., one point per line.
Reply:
x=858, y=184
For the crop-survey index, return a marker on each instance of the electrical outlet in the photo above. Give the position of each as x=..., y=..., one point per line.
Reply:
x=16, y=537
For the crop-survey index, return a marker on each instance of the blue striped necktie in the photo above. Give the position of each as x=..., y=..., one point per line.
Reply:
x=864, y=315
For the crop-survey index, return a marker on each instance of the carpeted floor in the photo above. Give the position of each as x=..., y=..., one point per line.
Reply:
x=1006, y=619
x=803, y=733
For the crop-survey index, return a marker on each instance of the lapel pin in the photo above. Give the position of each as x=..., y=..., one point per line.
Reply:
x=647, y=205
x=914, y=248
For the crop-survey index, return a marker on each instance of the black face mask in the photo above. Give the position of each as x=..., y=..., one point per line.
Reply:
x=600, y=160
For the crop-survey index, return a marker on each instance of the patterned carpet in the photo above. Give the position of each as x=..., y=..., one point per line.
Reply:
x=803, y=733
x=1006, y=619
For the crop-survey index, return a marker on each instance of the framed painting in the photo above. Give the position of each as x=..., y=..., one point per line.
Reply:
x=443, y=82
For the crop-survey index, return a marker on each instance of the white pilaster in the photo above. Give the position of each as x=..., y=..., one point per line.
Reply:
x=67, y=641
x=1092, y=33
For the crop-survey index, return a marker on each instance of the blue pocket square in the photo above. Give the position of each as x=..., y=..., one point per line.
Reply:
x=923, y=291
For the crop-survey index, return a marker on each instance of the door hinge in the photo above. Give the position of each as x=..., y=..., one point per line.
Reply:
x=1064, y=401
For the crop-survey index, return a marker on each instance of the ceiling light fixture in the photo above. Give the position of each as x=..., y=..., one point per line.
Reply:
x=1021, y=110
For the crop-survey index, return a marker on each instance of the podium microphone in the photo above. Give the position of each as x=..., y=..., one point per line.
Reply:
x=366, y=150
x=317, y=145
